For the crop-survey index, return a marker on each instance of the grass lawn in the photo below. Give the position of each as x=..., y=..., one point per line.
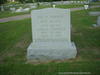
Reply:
x=5, y=14
x=70, y=6
x=15, y=37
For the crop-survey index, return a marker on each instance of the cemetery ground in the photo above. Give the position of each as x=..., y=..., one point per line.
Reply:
x=8, y=13
x=15, y=37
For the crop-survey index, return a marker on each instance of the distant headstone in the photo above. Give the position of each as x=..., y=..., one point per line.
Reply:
x=12, y=9
x=26, y=9
x=72, y=1
x=51, y=35
x=54, y=6
x=78, y=1
x=33, y=7
x=13, y=0
x=19, y=10
x=97, y=13
x=98, y=21
x=86, y=7
x=81, y=2
x=2, y=8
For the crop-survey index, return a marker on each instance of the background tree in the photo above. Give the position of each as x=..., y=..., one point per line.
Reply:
x=3, y=1
x=1, y=4
x=22, y=1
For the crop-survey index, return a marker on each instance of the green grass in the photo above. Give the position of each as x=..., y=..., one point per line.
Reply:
x=51, y=68
x=5, y=14
x=15, y=37
x=97, y=9
x=95, y=3
x=70, y=6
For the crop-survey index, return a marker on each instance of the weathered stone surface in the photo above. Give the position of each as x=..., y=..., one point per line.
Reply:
x=96, y=13
x=98, y=21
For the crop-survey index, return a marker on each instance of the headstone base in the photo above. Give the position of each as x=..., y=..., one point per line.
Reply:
x=51, y=51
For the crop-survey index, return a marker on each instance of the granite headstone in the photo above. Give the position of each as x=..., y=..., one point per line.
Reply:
x=51, y=35
x=96, y=13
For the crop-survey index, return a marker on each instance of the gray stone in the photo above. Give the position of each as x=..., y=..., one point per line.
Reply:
x=51, y=35
x=12, y=9
x=54, y=6
x=26, y=9
x=96, y=13
x=19, y=10
x=2, y=8
x=22, y=10
x=86, y=7
x=98, y=21
x=33, y=7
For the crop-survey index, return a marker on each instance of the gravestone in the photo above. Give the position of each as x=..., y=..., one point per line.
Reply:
x=51, y=35
x=54, y=6
x=86, y=7
x=26, y=9
x=96, y=13
x=98, y=21
x=2, y=8
x=13, y=9
x=33, y=6
x=19, y=10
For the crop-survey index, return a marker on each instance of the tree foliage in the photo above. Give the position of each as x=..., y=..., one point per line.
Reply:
x=3, y=1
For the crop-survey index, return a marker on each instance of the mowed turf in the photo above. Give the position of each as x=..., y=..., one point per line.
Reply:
x=15, y=37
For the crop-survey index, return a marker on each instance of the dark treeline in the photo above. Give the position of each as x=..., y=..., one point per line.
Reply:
x=30, y=1
x=3, y=1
